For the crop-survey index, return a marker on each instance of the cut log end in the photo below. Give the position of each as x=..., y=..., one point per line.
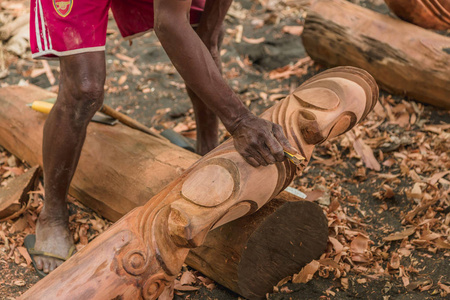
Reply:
x=276, y=241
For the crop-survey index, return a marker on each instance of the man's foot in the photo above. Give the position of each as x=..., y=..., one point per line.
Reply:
x=52, y=236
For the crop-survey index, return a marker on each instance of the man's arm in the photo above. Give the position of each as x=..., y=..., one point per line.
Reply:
x=259, y=141
x=210, y=28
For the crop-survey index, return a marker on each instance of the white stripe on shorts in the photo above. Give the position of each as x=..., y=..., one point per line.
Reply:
x=36, y=27
x=44, y=31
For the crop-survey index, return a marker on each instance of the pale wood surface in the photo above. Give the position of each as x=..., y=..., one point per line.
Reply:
x=143, y=252
x=402, y=57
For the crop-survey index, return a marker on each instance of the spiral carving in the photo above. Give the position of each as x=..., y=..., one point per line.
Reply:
x=155, y=285
x=134, y=262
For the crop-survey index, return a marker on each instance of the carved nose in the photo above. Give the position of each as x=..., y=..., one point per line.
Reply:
x=179, y=228
x=309, y=127
x=182, y=230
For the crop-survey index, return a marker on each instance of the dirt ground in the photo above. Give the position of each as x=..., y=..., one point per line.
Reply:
x=388, y=227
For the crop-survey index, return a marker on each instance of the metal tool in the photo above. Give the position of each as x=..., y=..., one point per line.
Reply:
x=296, y=159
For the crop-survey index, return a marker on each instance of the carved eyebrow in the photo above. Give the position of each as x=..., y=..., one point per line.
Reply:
x=332, y=105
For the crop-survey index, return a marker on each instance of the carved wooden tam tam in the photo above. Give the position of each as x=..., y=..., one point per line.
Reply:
x=432, y=14
x=144, y=251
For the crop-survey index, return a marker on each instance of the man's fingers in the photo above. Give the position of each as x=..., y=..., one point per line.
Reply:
x=251, y=161
x=258, y=150
x=252, y=157
x=278, y=133
x=276, y=149
x=247, y=151
x=261, y=142
x=266, y=154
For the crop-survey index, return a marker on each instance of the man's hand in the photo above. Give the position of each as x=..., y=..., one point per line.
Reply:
x=260, y=142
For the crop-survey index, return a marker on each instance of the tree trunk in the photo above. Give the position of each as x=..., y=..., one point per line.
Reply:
x=107, y=181
x=144, y=251
x=402, y=57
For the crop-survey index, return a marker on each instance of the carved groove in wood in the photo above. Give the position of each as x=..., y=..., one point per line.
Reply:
x=143, y=252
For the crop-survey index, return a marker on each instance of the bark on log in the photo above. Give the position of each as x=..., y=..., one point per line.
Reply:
x=113, y=193
x=402, y=57
x=144, y=251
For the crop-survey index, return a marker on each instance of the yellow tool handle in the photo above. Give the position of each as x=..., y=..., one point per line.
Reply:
x=296, y=159
x=42, y=106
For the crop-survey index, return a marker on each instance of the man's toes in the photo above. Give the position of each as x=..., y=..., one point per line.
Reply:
x=39, y=263
x=52, y=265
x=46, y=266
x=59, y=262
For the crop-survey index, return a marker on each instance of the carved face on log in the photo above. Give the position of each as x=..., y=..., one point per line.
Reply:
x=144, y=251
x=223, y=187
x=325, y=106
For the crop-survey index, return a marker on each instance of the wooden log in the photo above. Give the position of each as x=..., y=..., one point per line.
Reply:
x=432, y=14
x=19, y=43
x=20, y=132
x=14, y=195
x=12, y=28
x=252, y=254
x=402, y=57
x=17, y=35
x=144, y=251
x=117, y=170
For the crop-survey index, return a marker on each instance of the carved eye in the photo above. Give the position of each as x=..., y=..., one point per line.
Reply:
x=307, y=115
x=209, y=186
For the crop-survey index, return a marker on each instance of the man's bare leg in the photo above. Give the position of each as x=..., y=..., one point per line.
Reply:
x=206, y=120
x=207, y=125
x=210, y=31
x=80, y=96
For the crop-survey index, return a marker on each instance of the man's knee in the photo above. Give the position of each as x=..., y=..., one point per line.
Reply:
x=80, y=99
x=83, y=79
x=90, y=92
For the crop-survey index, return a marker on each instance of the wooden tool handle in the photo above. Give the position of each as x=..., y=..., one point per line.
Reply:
x=107, y=110
x=41, y=106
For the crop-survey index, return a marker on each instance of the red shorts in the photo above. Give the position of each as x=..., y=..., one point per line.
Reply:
x=66, y=27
